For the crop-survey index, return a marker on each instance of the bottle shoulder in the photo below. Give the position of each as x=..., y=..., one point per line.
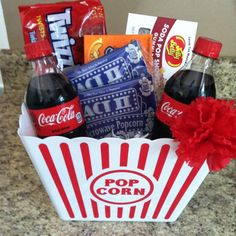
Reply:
x=186, y=85
x=49, y=90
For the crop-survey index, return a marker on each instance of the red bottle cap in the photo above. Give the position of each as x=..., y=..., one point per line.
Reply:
x=208, y=47
x=38, y=49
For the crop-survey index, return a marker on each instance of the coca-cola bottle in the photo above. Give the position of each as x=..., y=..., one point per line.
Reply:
x=51, y=100
x=195, y=79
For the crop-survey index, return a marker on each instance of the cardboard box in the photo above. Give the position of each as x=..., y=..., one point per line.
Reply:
x=112, y=179
x=172, y=43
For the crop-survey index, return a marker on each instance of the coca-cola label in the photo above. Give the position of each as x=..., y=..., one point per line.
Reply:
x=169, y=110
x=57, y=120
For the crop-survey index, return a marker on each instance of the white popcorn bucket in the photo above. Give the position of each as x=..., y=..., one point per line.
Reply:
x=112, y=179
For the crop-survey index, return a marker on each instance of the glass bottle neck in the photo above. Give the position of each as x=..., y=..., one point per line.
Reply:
x=201, y=64
x=44, y=65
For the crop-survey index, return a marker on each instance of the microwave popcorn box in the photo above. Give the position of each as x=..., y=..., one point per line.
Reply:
x=122, y=109
x=172, y=42
x=111, y=179
x=96, y=46
x=123, y=64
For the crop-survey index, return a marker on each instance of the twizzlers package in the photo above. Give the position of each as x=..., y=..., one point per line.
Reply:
x=172, y=42
x=64, y=25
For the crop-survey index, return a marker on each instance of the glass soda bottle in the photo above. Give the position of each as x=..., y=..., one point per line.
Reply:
x=195, y=79
x=51, y=100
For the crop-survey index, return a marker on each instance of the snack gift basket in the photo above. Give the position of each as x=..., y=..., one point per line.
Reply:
x=112, y=179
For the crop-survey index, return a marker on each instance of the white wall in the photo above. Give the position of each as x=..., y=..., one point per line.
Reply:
x=216, y=18
x=4, y=44
x=3, y=41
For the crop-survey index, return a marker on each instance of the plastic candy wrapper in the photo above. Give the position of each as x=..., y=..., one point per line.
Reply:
x=125, y=109
x=64, y=25
x=96, y=46
x=124, y=135
x=123, y=64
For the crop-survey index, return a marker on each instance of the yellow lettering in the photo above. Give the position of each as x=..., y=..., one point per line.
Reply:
x=175, y=50
x=41, y=27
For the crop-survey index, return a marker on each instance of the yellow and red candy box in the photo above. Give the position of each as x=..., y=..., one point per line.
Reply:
x=172, y=41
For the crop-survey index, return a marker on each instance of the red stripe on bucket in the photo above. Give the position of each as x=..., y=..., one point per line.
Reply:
x=132, y=212
x=73, y=178
x=161, y=161
x=145, y=209
x=119, y=212
x=95, y=208
x=51, y=167
x=86, y=159
x=170, y=182
x=183, y=189
x=105, y=155
x=143, y=156
x=107, y=212
x=124, y=154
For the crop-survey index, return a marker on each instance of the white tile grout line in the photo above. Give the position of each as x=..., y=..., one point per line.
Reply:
x=1, y=84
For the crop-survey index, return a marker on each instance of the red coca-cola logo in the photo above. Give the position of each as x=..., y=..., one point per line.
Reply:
x=175, y=51
x=170, y=110
x=64, y=115
x=58, y=119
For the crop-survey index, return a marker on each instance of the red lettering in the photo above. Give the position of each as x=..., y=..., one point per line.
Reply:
x=109, y=181
x=101, y=191
x=132, y=182
x=121, y=182
x=122, y=191
x=126, y=191
x=139, y=191
x=114, y=191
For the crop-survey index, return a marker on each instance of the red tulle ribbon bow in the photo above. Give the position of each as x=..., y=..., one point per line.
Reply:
x=207, y=131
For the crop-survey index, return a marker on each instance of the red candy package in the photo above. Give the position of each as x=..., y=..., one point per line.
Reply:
x=64, y=25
